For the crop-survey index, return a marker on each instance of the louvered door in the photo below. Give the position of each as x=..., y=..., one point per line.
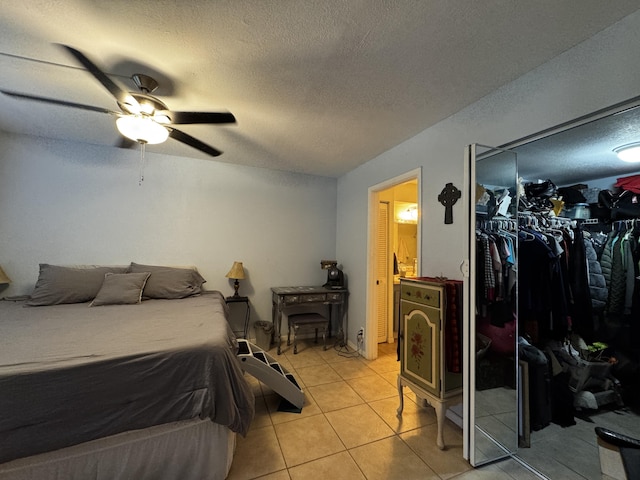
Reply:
x=382, y=272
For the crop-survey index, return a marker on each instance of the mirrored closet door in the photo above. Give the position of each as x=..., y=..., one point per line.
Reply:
x=517, y=402
x=491, y=400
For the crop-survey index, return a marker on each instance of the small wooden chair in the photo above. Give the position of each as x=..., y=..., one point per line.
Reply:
x=304, y=320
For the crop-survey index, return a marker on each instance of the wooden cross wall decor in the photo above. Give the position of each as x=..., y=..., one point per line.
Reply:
x=448, y=198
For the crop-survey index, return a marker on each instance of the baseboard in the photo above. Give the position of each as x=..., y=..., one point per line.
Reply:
x=455, y=414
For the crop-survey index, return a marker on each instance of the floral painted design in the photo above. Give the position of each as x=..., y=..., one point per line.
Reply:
x=417, y=347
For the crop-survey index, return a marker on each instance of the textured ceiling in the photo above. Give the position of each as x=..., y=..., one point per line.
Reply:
x=582, y=153
x=316, y=87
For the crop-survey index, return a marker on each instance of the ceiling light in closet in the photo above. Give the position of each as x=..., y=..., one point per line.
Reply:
x=629, y=153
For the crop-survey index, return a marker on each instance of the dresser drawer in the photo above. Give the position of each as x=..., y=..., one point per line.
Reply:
x=422, y=294
x=287, y=299
x=314, y=297
x=334, y=297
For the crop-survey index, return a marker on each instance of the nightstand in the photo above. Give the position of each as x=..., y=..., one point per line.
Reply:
x=245, y=300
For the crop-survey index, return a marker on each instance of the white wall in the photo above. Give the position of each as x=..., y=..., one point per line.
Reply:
x=65, y=203
x=598, y=73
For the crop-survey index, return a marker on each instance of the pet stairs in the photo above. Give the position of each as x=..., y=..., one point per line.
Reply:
x=259, y=364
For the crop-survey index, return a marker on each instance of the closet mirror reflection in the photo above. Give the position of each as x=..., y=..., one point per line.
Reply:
x=600, y=388
x=543, y=411
x=495, y=406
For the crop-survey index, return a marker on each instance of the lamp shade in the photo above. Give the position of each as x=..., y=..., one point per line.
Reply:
x=4, y=279
x=142, y=128
x=236, y=272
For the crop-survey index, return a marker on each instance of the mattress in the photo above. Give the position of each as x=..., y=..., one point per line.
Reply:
x=73, y=373
x=187, y=450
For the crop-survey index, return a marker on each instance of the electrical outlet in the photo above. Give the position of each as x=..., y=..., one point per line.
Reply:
x=360, y=339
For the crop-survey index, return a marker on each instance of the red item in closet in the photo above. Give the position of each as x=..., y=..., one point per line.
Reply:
x=631, y=183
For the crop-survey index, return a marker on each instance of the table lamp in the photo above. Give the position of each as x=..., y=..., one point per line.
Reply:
x=236, y=273
x=4, y=279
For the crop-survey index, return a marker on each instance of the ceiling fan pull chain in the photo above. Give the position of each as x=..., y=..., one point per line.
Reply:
x=142, y=144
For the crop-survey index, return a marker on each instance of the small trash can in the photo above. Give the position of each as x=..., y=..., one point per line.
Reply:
x=264, y=334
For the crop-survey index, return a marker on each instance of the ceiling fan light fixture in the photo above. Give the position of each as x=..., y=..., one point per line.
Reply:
x=130, y=105
x=160, y=118
x=143, y=117
x=142, y=129
x=146, y=108
x=629, y=153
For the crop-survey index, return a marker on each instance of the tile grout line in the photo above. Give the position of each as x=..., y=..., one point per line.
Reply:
x=324, y=413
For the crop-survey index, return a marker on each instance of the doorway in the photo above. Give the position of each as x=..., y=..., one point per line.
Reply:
x=394, y=245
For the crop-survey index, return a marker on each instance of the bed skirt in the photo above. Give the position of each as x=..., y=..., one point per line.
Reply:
x=192, y=449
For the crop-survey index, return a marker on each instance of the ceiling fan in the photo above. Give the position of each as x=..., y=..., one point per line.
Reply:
x=143, y=118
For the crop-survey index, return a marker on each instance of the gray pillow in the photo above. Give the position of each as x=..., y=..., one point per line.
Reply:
x=57, y=284
x=169, y=282
x=121, y=289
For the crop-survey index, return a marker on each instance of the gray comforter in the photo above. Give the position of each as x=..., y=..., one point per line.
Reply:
x=74, y=373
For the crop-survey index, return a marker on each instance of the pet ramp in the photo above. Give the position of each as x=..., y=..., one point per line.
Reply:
x=259, y=364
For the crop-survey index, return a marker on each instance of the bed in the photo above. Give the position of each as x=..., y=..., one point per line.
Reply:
x=98, y=389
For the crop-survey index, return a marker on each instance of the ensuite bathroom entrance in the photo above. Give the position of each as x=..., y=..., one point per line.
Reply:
x=394, y=240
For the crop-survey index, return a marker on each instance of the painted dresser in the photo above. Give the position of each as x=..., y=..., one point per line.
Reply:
x=430, y=341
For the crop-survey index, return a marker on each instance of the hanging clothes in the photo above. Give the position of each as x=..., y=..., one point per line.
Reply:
x=597, y=283
x=495, y=260
x=552, y=271
x=619, y=263
x=580, y=306
x=495, y=284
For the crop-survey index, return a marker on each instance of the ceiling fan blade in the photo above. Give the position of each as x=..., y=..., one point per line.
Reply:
x=181, y=118
x=120, y=94
x=63, y=103
x=193, y=142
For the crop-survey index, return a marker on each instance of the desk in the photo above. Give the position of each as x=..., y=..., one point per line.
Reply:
x=245, y=300
x=285, y=297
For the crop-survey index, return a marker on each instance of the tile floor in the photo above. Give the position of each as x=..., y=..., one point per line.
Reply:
x=348, y=427
x=572, y=452
x=556, y=452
